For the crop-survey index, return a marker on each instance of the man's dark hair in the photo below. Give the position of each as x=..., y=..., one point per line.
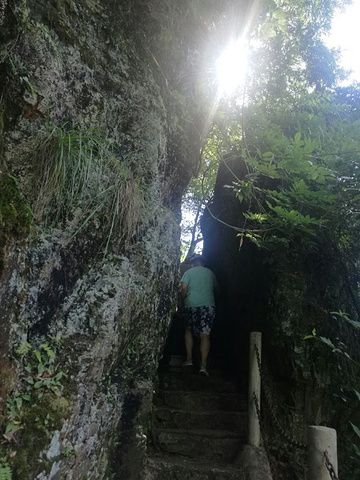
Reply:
x=198, y=258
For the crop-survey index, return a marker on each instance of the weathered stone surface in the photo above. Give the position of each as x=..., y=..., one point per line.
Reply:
x=173, y=418
x=185, y=469
x=234, y=402
x=191, y=381
x=214, y=445
x=254, y=462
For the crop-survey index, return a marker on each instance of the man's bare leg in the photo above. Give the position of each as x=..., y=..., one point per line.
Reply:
x=204, y=348
x=189, y=342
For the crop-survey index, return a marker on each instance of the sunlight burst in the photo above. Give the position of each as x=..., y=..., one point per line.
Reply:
x=345, y=34
x=231, y=67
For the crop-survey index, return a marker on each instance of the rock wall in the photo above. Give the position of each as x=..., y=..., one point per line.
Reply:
x=91, y=102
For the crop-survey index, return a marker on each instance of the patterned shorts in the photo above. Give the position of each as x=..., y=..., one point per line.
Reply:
x=199, y=319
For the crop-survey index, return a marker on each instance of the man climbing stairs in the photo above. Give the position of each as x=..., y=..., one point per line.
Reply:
x=199, y=426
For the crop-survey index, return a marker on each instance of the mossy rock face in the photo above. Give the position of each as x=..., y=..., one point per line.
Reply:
x=42, y=417
x=15, y=214
x=7, y=384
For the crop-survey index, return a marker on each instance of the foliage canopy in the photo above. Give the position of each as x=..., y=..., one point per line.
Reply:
x=298, y=136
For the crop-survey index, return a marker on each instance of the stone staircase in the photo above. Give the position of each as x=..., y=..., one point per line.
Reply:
x=199, y=426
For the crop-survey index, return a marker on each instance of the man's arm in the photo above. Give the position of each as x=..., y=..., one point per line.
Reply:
x=183, y=290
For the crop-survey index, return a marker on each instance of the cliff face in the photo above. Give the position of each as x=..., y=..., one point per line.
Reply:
x=96, y=150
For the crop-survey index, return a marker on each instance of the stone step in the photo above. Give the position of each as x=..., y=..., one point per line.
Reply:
x=173, y=468
x=166, y=417
x=184, y=400
x=213, y=445
x=185, y=379
x=177, y=361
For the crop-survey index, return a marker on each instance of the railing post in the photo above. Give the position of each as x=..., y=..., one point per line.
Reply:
x=254, y=388
x=322, y=453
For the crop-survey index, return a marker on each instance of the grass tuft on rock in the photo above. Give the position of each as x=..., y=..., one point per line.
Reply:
x=84, y=179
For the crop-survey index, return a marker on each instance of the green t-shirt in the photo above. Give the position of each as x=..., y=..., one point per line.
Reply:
x=201, y=283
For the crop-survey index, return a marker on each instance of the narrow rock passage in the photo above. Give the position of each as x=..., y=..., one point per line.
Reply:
x=199, y=426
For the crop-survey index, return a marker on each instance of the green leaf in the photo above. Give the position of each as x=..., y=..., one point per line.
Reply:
x=10, y=427
x=356, y=449
x=59, y=375
x=268, y=155
x=40, y=368
x=297, y=137
x=356, y=429
x=38, y=355
x=328, y=342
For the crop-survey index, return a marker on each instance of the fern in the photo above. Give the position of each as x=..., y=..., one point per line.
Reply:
x=50, y=353
x=23, y=349
x=37, y=355
x=5, y=472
